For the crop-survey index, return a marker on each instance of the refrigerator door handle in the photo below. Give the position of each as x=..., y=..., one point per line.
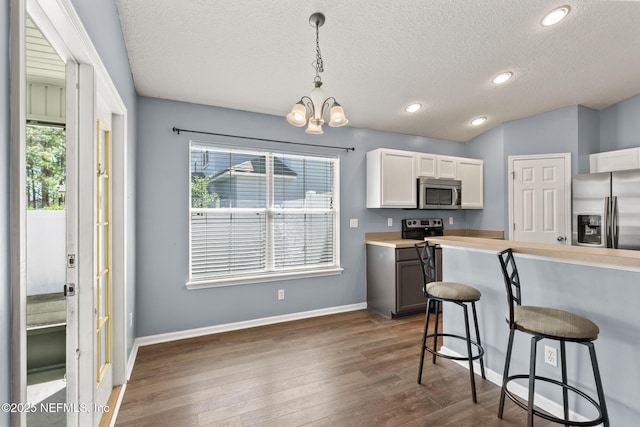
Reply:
x=607, y=222
x=614, y=222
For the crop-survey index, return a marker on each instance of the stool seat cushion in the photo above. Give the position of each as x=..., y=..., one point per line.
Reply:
x=453, y=291
x=554, y=323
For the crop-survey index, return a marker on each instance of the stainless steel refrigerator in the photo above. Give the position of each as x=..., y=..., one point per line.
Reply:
x=606, y=209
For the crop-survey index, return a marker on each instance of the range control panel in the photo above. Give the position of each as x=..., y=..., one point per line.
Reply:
x=422, y=223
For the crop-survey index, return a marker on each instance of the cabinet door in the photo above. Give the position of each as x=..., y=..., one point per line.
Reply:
x=398, y=179
x=470, y=172
x=617, y=160
x=409, y=287
x=427, y=165
x=447, y=167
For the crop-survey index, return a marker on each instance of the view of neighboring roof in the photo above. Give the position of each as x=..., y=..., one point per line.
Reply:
x=256, y=166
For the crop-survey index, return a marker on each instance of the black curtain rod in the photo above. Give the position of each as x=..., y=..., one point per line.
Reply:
x=178, y=130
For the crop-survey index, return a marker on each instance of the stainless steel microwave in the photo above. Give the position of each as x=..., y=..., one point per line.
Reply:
x=439, y=193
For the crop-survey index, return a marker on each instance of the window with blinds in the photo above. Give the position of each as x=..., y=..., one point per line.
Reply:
x=261, y=214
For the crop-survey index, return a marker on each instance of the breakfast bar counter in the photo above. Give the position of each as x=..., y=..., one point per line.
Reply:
x=578, y=254
x=600, y=284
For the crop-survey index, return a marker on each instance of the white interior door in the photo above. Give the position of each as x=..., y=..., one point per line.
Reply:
x=540, y=198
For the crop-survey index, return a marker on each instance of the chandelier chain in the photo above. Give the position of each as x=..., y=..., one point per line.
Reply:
x=318, y=64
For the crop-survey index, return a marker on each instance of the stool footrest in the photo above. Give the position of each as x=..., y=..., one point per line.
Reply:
x=448, y=356
x=543, y=414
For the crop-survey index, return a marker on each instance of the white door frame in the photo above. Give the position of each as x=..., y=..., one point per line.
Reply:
x=567, y=188
x=63, y=28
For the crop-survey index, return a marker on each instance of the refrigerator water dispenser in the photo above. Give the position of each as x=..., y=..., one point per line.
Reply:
x=590, y=229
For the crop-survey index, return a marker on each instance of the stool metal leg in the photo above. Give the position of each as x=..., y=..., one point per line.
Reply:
x=532, y=380
x=435, y=338
x=507, y=362
x=565, y=391
x=471, y=373
x=424, y=340
x=475, y=322
x=596, y=374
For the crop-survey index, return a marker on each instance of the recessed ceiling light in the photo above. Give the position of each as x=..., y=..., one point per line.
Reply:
x=478, y=121
x=412, y=108
x=502, y=77
x=555, y=16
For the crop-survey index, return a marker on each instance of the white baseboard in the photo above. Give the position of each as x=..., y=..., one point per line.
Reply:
x=216, y=329
x=519, y=390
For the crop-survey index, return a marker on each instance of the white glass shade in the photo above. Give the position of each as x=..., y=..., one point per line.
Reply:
x=337, y=117
x=314, y=128
x=298, y=115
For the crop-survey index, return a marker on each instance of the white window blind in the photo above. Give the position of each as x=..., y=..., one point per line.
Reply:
x=261, y=214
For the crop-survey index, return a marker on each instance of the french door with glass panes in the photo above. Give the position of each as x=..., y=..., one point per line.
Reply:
x=103, y=276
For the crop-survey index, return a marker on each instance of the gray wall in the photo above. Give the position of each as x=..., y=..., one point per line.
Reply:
x=5, y=284
x=588, y=137
x=162, y=258
x=163, y=302
x=102, y=23
x=577, y=130
x=490, y=148
x=620, y=126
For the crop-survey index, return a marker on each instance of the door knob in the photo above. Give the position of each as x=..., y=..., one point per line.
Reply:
x=561, y=238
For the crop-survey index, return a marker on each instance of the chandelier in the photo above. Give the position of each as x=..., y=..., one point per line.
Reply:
x=312, y=108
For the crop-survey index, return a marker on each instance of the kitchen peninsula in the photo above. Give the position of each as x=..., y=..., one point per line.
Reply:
x=600, y=284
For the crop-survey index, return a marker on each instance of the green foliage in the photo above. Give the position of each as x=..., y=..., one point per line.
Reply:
x=46, y=166
x=200, y=195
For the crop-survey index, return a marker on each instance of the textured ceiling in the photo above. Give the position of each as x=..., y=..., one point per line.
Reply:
x=381, y=55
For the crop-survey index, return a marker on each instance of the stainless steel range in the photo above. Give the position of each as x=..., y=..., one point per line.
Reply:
x=425, y=227
x=421, y=228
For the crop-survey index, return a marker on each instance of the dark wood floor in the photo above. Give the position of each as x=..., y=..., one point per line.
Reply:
x=349, y=369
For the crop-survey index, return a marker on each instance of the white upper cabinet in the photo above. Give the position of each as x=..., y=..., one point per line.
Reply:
x=427, y=165
x=391, y=179
x=615, y=160
x=447, y=167
x=392, y=174
x=471, y=173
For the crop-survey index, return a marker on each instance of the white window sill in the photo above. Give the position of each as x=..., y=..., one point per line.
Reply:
x=261, y=278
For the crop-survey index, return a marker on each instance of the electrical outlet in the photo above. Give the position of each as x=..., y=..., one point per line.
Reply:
x=551, y=356
x=130, y=319
x=450, y=220
x=280, y=294
x=390, y=222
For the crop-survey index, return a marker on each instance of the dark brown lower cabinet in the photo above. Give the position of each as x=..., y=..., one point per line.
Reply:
x=394, y=281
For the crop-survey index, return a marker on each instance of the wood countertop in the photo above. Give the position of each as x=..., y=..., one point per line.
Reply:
x=577, y=254
x=616, y=258
x=393, y=239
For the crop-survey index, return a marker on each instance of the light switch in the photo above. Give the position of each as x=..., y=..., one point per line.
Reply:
x=353, y=223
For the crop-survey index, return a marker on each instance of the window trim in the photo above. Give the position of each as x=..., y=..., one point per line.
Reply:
x=268, y=276
x=247, y=279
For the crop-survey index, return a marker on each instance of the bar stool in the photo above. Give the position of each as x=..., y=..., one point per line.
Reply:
x=541, y=323
x=457, y=293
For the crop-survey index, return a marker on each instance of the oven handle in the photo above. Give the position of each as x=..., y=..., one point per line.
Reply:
x=454, y=198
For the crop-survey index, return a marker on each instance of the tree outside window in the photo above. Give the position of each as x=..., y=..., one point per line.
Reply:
x=46, y=167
